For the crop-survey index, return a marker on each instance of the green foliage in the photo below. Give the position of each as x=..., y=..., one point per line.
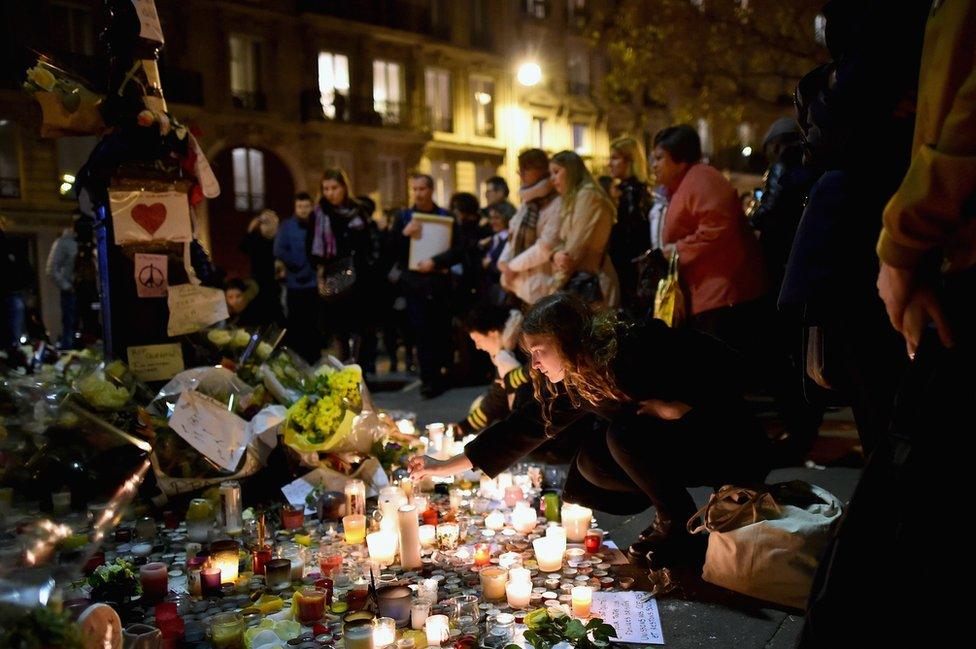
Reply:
x=549, y=627
x=38, y=628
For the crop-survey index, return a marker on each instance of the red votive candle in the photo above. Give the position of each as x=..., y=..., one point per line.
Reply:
x=210, y=581
x=593, y=540
x=155, y=581
x=430, y=516
x=327, y=586
x=292, y=516
x=259, y=557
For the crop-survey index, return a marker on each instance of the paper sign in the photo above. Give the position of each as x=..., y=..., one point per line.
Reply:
x=210, y=428
x=435, y=237
x=147, y=216
x=296, y=492
x=634, y=619
x=192, y=308
x=156, y=362
x=151, y=274
x=149, y=27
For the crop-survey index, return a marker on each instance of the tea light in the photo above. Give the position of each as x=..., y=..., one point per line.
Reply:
x=519, y=593
x=154, y=580
x=382, y=547
x=225, y=555
x=548, y=553
x=354, y=528
x=427, y=536
x=493, y=582
x=509, y=560
x=482, y=554
x=576, y=519
x=523, y=518
x=418, y=614
x=355, y=492
x=582, y=599
x=437, y=630
x=495, y=521
x=513, y=494
x=384, y=632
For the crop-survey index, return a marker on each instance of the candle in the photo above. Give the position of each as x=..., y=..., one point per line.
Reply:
x=520, y=574
x=435, y=433
x=409, y=537
x=406, y=427
x=394, y=602
x=384, y=632
x=292, y=517
x=523, y=518
x=230, y=506
x=311, y=605
x=277, y=574
x=355, y=492
x=548, y=553
x=504, y=481
x=576, y=520
x=427, y=589
x=194, y=585
x=495, y=520
x=210, y=581
x=145, y=526
x=199, y=519
x=418, y=614
x=354, y=528
x=447, y=536
x=358, y=637
x=421, y=503
x=437, y=630
x=329, y=560
x=382, y=547
x=558, y=533
x=582, y=598
x=430, y=516
x=482, y=554
x=551, y=506
x=593, y=541
x=454, y=499
x=225, y=554
x=155, y=581
x=296, y=555
x=519, y=593
x=487, y=487
x=427, y=537
x=513, y=494
x=227, y=630
x=406, y=484
x=509, y=560
x=493, y=582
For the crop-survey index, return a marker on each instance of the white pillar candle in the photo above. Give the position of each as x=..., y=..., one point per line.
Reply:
x=509, y=560
x=495, y=520
x=523, y=518
x=520, y=574
x=559, y=533
x=382, y=546
x=576, y=519
x=409, y=537
x=437, y=630
x=486, y=489
x=519, y=593
x=548, y=553
x=582, y=599
x=427, y=535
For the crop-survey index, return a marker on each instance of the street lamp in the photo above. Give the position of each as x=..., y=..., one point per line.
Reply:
x=529, y=73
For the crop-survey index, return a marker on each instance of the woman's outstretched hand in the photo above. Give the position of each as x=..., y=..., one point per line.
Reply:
x=422, y=466
x=661, y=409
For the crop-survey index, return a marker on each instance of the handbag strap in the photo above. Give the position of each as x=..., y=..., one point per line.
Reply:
x=707, y=519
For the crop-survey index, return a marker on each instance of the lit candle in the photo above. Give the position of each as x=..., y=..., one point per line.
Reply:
x=576, y=520
x=421, y=503
x=482, y=554
x=447, y=536
x=509, y=560
x=155, y=581
x=558, y=533
x=355, y=491
x=406, y=427
x=406, y=484
x=354, y=528
x=493, y=582
x=409, y=537
x=495, y=520
x=486, y=488
x=225, y=555
x=437, y=630
x=382, y=547
x=427, y=535
x=594, y=540
x=427, y=589
x=523, y=518
x=418, y=614
x=520, y=574
x=519, y=593
x=513, y=494
x=454, y=499
x=504, y=481
x=435, y=432
x=358, y=637
x=548, y=553
x=210, y=581
x=582, y=598
x=384, y=632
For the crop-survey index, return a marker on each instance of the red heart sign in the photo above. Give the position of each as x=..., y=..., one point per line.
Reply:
x=149, y=217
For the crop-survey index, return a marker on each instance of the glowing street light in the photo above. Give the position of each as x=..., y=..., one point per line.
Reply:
x=529, y=73
x=746, y=151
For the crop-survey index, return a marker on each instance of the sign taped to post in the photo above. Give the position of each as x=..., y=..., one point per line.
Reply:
x=192, y=308
x=156, y=362
x=151, y=275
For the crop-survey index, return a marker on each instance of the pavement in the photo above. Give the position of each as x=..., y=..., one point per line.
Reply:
x=696, y=614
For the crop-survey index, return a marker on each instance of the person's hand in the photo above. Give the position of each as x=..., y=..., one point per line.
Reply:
x=422, y=466
x=508, y=276
x=426, y=266
x=503, y=266
x=911, y=307
x=661, y=409
x=562, y=261
x=254, y=224
x=413, y=230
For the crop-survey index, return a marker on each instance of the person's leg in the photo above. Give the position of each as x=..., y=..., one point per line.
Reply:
x=595, y=480
x=69, y=315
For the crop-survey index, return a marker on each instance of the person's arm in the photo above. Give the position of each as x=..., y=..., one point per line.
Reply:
x=716, y=216
x=288, y=255
x=55, y=264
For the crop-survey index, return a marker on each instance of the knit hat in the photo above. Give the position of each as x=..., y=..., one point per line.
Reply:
x=782, y=126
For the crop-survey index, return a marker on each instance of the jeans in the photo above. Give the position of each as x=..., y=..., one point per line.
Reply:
x=14, y=315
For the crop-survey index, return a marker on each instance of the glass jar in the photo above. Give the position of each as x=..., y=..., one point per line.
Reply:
x=199, y=519
x=227, y=630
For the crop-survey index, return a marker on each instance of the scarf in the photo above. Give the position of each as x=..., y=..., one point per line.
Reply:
x=535, y=199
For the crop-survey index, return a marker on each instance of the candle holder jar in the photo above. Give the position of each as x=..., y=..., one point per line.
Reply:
x=419, y=611
x=292, y=517
x=329, y=561
x=384, y=632
x=277, y=574
x=359, y=636
x=447, y=536
x=593, y=541
x=354, y=528
x=311, y=605
x=227, y=630
x=355, y=492
x=199, y=520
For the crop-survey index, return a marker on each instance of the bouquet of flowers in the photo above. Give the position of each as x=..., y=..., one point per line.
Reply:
x=322, y=421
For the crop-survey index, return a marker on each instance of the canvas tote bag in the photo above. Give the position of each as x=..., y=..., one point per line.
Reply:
x=766, y=543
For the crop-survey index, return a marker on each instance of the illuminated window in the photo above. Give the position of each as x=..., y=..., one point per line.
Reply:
x=483, y=102
x=579, y=138
x=387, y=90
x=437, y=90
x=245, y=72
x=248, y=168
x=538, y=133
x=333, y=82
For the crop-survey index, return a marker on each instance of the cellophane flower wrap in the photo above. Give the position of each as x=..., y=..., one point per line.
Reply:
x=322, y=421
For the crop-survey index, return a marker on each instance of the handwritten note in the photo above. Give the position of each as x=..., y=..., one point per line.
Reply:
x=151, y=275
x=156, y=362
x=139, y=216
x=192, y=308
x=149, y=27
x=634, y=619
x=210, y=428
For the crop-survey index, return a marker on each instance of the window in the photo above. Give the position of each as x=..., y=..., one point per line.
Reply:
x=439, y=19
x=392, y=181
x=537, y=8
x=333, y=84
x=437, y=89
x=387, y=90
x=248, y=168
x=578, y=68
x=72, y=29
x=483, y=94
x=9, y=160
x=334, y=159
x=73, y=153
x=245, y=72
x=576, y=12
x=579, y=138
x=538, y=132
x=443, y=174
x=820, y=29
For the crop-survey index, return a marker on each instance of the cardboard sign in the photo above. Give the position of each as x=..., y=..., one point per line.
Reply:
x=210, y=428
x=192, y=308
x=633, y=615
x=139, y=216
x=156, y=362
x=149, y=27
x=151, y=275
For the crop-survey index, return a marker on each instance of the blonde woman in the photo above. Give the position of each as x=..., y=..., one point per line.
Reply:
x=631, y=235
x=588, y=216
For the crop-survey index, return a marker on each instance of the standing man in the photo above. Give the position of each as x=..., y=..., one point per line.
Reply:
x=61, y=270
x=428, y=294
x=293, y=247
x=258, y=245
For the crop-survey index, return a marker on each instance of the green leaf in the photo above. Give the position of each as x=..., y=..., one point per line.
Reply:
x=594, y=624
x=575, y=630
x=606, y=631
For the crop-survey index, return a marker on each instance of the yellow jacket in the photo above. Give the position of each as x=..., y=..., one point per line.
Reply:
x=935, y=206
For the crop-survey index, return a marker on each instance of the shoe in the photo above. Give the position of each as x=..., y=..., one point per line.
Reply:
x=659, y=530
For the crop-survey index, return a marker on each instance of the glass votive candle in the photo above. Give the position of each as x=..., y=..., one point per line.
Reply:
x=493, y=582
x=329, y=561
x=355, y=492
x=482, y=554
x=354, y=528
x=549, y=553
x=576, y=520
x=394, y=603
x=519, y=593
x=427, y=536
x=382, y=546
x=513, y=494
x=155, y=581
x=454, y=499
x=501, y=629
x=359, y=636
x=199, y=519
x=437, y=630
x=311, y=605
x=582, y=599
x=145, y=526
x=520, y=574
x=495, y=521
x=277, y=574
x=384, y=632
x=419, y=611
x=427, y=589
x=227, y=630
x=447, y=536
x=292, y=517
x=296, y=554
x=509, y=560
x=593, y=541
x=210, y=581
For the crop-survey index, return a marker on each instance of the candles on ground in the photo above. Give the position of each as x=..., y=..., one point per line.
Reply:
x=418, y=614
x=394, y=602
x=354, y=528
x=487, y=487
x=482, y=554
x=145, y=526
x=311, y=605
x=548, y=553
x=230, y=506
x=427, y=589
x=493, y=582
x=495, y=520
x=576, y=519
x=409, y=537
x=406, y=427
x=382, y=547
x=558, y=533
x=296, y=555
x=199, y=519
x=277, y=574
x=520, y=574
x=427, y=536
x=421, y=503
x=292, y=517
x=210, y=581
x=384, y=632
x=523, y=518
x=593, y=541
x=194, y=585
x=447, y=536
x=225, y=555
x=509, y=560
x=355, y=492
x=155, y=581
x=437, y=630
x=358, y=637
x=504, y=481
x=227, y=630
x=513, y=494
x=519, y=593
x=582, y=599
x=454, y=499
x=435, y=433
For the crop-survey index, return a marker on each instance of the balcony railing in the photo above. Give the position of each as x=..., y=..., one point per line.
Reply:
x=365, y=111
x=249, y=100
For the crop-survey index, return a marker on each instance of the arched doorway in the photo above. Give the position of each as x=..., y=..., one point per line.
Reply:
x=251, y=179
